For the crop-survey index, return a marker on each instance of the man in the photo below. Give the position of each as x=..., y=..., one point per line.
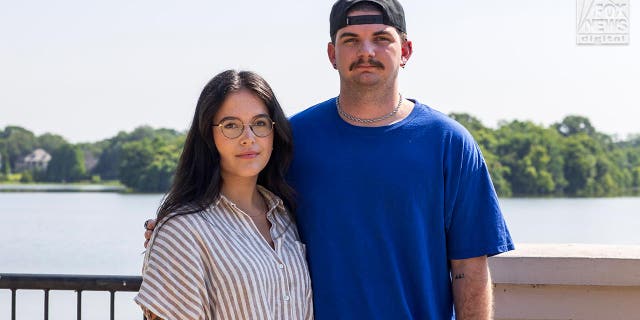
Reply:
x=395, y=203
x=394, y=197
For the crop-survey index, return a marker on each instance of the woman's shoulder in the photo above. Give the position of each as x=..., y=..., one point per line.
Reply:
x=185, y=220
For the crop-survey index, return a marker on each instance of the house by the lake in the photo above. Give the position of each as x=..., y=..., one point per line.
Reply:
x=38, y=159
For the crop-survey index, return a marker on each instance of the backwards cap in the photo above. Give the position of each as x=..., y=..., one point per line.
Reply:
x=392, y=15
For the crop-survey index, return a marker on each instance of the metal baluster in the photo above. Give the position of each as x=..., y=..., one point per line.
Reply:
x=13, y=304
x=113, y=297
x=78, y=283
x=79, y=305
x=46, y=304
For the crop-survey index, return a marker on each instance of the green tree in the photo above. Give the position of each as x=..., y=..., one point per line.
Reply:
x=574, y=124
x=595, y=164
x=66, y=165
x=614, y=174
x=533, y=157
x=18, y=142
x=148, y=165
x=6, y=166
x=110, y=159
x=580, y=166
x=50, y=142
x=635, y=173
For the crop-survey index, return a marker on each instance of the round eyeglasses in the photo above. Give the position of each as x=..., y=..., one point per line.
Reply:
x=232, y=128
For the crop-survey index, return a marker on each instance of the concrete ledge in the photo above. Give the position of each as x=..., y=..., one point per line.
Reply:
x=567, y=281
x=546, y=302
x=568, y=264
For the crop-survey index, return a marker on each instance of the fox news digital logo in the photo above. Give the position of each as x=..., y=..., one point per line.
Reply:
x=602, y=22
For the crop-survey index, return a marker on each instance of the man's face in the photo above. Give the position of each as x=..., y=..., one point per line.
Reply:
x=368, y=54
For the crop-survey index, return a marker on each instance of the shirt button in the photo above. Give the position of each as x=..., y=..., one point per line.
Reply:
x=281, y=266
x=285, y=298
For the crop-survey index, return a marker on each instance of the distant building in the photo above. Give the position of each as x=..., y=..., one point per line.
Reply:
x=36, y=160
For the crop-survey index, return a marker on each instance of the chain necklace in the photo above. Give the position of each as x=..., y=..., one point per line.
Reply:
x=368, y=121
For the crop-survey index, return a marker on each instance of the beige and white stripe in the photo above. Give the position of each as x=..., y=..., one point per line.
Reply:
x=215, y=265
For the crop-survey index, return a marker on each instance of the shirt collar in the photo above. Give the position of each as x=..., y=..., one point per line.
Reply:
x=274, y=203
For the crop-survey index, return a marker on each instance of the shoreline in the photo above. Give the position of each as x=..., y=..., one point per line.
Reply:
x=61, y=187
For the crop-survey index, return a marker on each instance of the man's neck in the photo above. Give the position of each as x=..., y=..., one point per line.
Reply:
x=368, y=102
x=372, y=103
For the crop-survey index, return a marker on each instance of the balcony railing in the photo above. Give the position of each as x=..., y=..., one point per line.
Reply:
x=544, y=281
x=78, y=283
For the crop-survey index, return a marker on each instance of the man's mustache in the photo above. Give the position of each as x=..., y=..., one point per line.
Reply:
x=371, y=62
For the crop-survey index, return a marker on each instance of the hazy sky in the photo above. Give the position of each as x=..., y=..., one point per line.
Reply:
x=88, y=69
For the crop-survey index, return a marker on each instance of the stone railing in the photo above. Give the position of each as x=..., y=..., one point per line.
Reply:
x=567, y=281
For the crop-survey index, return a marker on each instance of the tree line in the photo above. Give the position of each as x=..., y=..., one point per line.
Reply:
x=568, y=158
x=143, y=159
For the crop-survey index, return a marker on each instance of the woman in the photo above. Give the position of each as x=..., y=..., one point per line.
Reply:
x=225, y=246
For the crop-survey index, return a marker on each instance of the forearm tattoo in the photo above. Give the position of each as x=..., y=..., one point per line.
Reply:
x=458, y=276
x=150, y=316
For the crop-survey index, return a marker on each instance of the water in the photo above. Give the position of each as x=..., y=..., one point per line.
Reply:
x=597, y=220
x=101, y=233
x=72, y=233
x=45, y=187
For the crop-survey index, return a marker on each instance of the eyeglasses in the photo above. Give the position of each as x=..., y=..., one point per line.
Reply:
x=232, y=128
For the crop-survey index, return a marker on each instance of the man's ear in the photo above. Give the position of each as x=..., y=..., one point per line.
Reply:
x=407, y=50
x=331, y=53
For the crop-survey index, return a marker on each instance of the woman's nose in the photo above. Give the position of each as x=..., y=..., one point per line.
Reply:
x=247, y=135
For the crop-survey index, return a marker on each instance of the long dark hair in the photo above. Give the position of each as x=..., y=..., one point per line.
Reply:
x=197, y=181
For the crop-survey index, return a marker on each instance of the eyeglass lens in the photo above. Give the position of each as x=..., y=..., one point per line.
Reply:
x=233, y=128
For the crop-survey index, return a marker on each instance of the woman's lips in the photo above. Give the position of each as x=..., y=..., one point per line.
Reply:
x=247, y=155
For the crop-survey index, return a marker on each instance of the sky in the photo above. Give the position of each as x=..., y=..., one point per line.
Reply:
x=89, y=69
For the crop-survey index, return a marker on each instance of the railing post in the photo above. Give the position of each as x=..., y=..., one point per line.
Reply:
x=13, y=304
x=112, y=308
x=46, y=304
x=79, y=305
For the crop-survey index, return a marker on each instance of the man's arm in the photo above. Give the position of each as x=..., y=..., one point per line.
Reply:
x=472, y=295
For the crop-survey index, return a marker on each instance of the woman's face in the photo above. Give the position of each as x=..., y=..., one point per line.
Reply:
x=247, y=154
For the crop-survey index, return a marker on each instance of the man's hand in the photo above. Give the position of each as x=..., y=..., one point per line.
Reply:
x=148, y=315
x=472, y=296
x=148, y=225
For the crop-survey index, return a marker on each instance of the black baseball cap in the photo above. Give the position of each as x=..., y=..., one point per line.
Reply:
x=392, y=15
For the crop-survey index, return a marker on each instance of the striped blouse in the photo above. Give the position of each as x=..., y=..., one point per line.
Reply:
x=215, y=265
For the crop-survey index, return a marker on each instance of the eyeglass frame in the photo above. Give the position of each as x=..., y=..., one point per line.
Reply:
x=219, y=125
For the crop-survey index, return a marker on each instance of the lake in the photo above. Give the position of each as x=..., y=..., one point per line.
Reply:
x=101, y=233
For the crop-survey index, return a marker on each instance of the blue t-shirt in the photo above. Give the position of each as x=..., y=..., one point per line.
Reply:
x=383, y=210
